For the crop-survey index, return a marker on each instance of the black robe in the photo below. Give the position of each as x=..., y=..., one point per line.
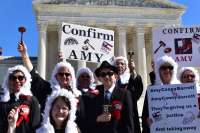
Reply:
x=40, y=88
x=135, y=86
x=26, y=126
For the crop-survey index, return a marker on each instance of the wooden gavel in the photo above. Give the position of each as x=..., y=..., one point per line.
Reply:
x=21, y=30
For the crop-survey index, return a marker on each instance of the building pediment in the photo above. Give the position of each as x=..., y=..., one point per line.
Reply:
x=133, y=3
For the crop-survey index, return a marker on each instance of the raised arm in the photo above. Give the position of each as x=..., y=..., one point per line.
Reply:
x=25, y=57
x=39, y=87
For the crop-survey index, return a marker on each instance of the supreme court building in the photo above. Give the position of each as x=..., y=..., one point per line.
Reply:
x=131, y=20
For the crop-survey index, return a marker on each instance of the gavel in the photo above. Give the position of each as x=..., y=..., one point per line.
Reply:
x=21, y=30
x=162, y=44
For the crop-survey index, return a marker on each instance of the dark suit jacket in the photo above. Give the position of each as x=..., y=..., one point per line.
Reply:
x=124, y=125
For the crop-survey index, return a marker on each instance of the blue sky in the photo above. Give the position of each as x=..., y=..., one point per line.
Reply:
x=15, y=13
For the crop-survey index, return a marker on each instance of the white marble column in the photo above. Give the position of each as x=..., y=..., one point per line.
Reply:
x=81, y=64
x=142, y=66
x=141, y=51
x=122, y=41
x=41, y=65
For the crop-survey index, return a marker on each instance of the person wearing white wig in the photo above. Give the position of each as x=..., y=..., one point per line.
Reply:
x=63, y=76
x=19, y=110
x=59, y=113
x=85, y=83
x=189, y=75
x=165, y=70
x=85, y=79
x=130, y=80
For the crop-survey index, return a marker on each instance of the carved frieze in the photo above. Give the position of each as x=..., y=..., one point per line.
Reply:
x=134, y=3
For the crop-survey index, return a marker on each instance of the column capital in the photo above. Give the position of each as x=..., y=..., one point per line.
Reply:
x=121, y=28
x=122, y=41
x=42, y=26
x=56, y=26
x=140, y=30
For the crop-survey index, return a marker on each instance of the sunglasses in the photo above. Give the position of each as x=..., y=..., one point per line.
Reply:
x=84, y=76
x=64, y=74
x=104, y=74
x=14, y=78
x=166, y=67
x=189, y=76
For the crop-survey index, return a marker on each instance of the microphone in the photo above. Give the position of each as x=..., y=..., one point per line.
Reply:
x=107, y=108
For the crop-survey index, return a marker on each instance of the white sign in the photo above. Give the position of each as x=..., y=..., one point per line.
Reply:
x=86, y=43
x=173, y=108
x=181, y=43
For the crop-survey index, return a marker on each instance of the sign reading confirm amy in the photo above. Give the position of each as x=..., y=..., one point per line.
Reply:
x=86, y=43
x=181, y=43
x=173, y=108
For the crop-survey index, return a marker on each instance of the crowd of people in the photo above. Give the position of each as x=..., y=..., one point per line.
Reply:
x=74, y=103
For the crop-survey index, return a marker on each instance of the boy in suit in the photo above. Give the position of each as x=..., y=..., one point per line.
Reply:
x=111, y=110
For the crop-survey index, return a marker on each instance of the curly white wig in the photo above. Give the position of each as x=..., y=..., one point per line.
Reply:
x=71, y=126
x=25, y=89
x=54, y=83
x=183, y=69
x=166, y=60
x=124, y=78
x=85, y=70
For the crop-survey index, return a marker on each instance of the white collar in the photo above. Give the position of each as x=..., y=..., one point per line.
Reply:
x=110, y=89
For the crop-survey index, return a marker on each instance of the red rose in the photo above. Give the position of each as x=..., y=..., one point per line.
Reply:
x=116, y=109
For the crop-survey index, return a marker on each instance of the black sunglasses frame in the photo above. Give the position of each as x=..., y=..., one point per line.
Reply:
x=166, y=67
x=14, y=78
x=189, y=75
x=64, y=74
x=104, y=74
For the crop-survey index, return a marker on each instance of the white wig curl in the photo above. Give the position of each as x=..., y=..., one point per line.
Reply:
x=71, y=126
x=183, y=69
x=166, y=60
x=85, y=70
x=124, y=78
x=25, y=89
x=54, y=83
x=121, y=58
